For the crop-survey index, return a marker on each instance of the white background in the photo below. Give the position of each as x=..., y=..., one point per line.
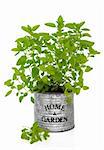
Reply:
x=89, y=105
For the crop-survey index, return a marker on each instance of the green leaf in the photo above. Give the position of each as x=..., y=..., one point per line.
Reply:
x=85, y=87
x=69, y=97
x=8, y=93
x=44, y=34
x=34, y=134
x=14, y=76
x=15, y=49
x=58, y=76
x=92, y=51
x=46, y=135
x=38, y=48
x=86, y=34
x=49, y=58
x=25, y=94
x=60, y=22
x=45, y=79
x=17, y=72
x=68, y=86
x=69, y=100
x=86, y=43
x=21, y=98
x=76, y=90
x=32, y=99
x=35, y=72
x=21, y=60
x=86, y=29
x=74, y=75
x=35, y=27
x=71, y=25
x=79, y=25
x=88, y=68
x=50, y=24
x=50, y=70
x=19, y=87
x=42, y=68
x=8, y=82
x=24, y=135
x=26, y=28
x=81, y=58
x=23, y=78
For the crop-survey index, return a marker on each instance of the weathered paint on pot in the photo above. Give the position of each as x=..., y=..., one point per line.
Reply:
x=53, y=113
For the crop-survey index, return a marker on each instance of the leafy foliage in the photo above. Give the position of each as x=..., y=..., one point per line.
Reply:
x=52, y=62
x=34, y=134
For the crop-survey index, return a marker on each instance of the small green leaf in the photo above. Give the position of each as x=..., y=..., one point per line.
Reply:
x=23, y=77
x=8, y=93
x=81, y=58
x=68, y=85
x=70, y=25
x=92, y=51
x=50, y=24
x=43, y=34
x=60, y=20
x=45, y=79
x=35, y=72
x=88, y=68
x=19, y=87
x=24, y=135
x=85, y=87
x=69, y=98
x=79, y=25
x=17, y=72
x=15, y=49
x=42, y=68
x=35, y=27
x=46, y=135
x=86, y=43
x=58, y=76
x=21, y=60
x=50, y=70
x=25, y=94
x=8, y=82
x=86, y=34
x=32, y=99
x=85, y=29
x=21, y=98
x=76, y=90
x=26, y=28
x=14, y=77
x=38, y=48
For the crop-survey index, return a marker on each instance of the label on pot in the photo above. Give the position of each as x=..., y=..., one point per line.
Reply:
x=53, y=113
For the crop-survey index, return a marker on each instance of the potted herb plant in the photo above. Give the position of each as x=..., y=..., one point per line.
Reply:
x=50, y=69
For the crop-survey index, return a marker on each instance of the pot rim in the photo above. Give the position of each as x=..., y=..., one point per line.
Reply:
x=52, y=93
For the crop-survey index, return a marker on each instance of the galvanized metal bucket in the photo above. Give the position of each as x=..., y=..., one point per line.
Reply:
x=53, y=112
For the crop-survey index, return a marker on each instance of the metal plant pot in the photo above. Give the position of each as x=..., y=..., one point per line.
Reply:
x=53, y=112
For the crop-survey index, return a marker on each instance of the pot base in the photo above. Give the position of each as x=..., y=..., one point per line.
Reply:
x=63, y=130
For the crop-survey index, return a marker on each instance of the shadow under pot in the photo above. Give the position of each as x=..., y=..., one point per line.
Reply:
x=53, y=112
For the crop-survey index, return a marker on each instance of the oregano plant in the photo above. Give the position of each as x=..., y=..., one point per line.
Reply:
x=34, y=134
x=51, y=61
